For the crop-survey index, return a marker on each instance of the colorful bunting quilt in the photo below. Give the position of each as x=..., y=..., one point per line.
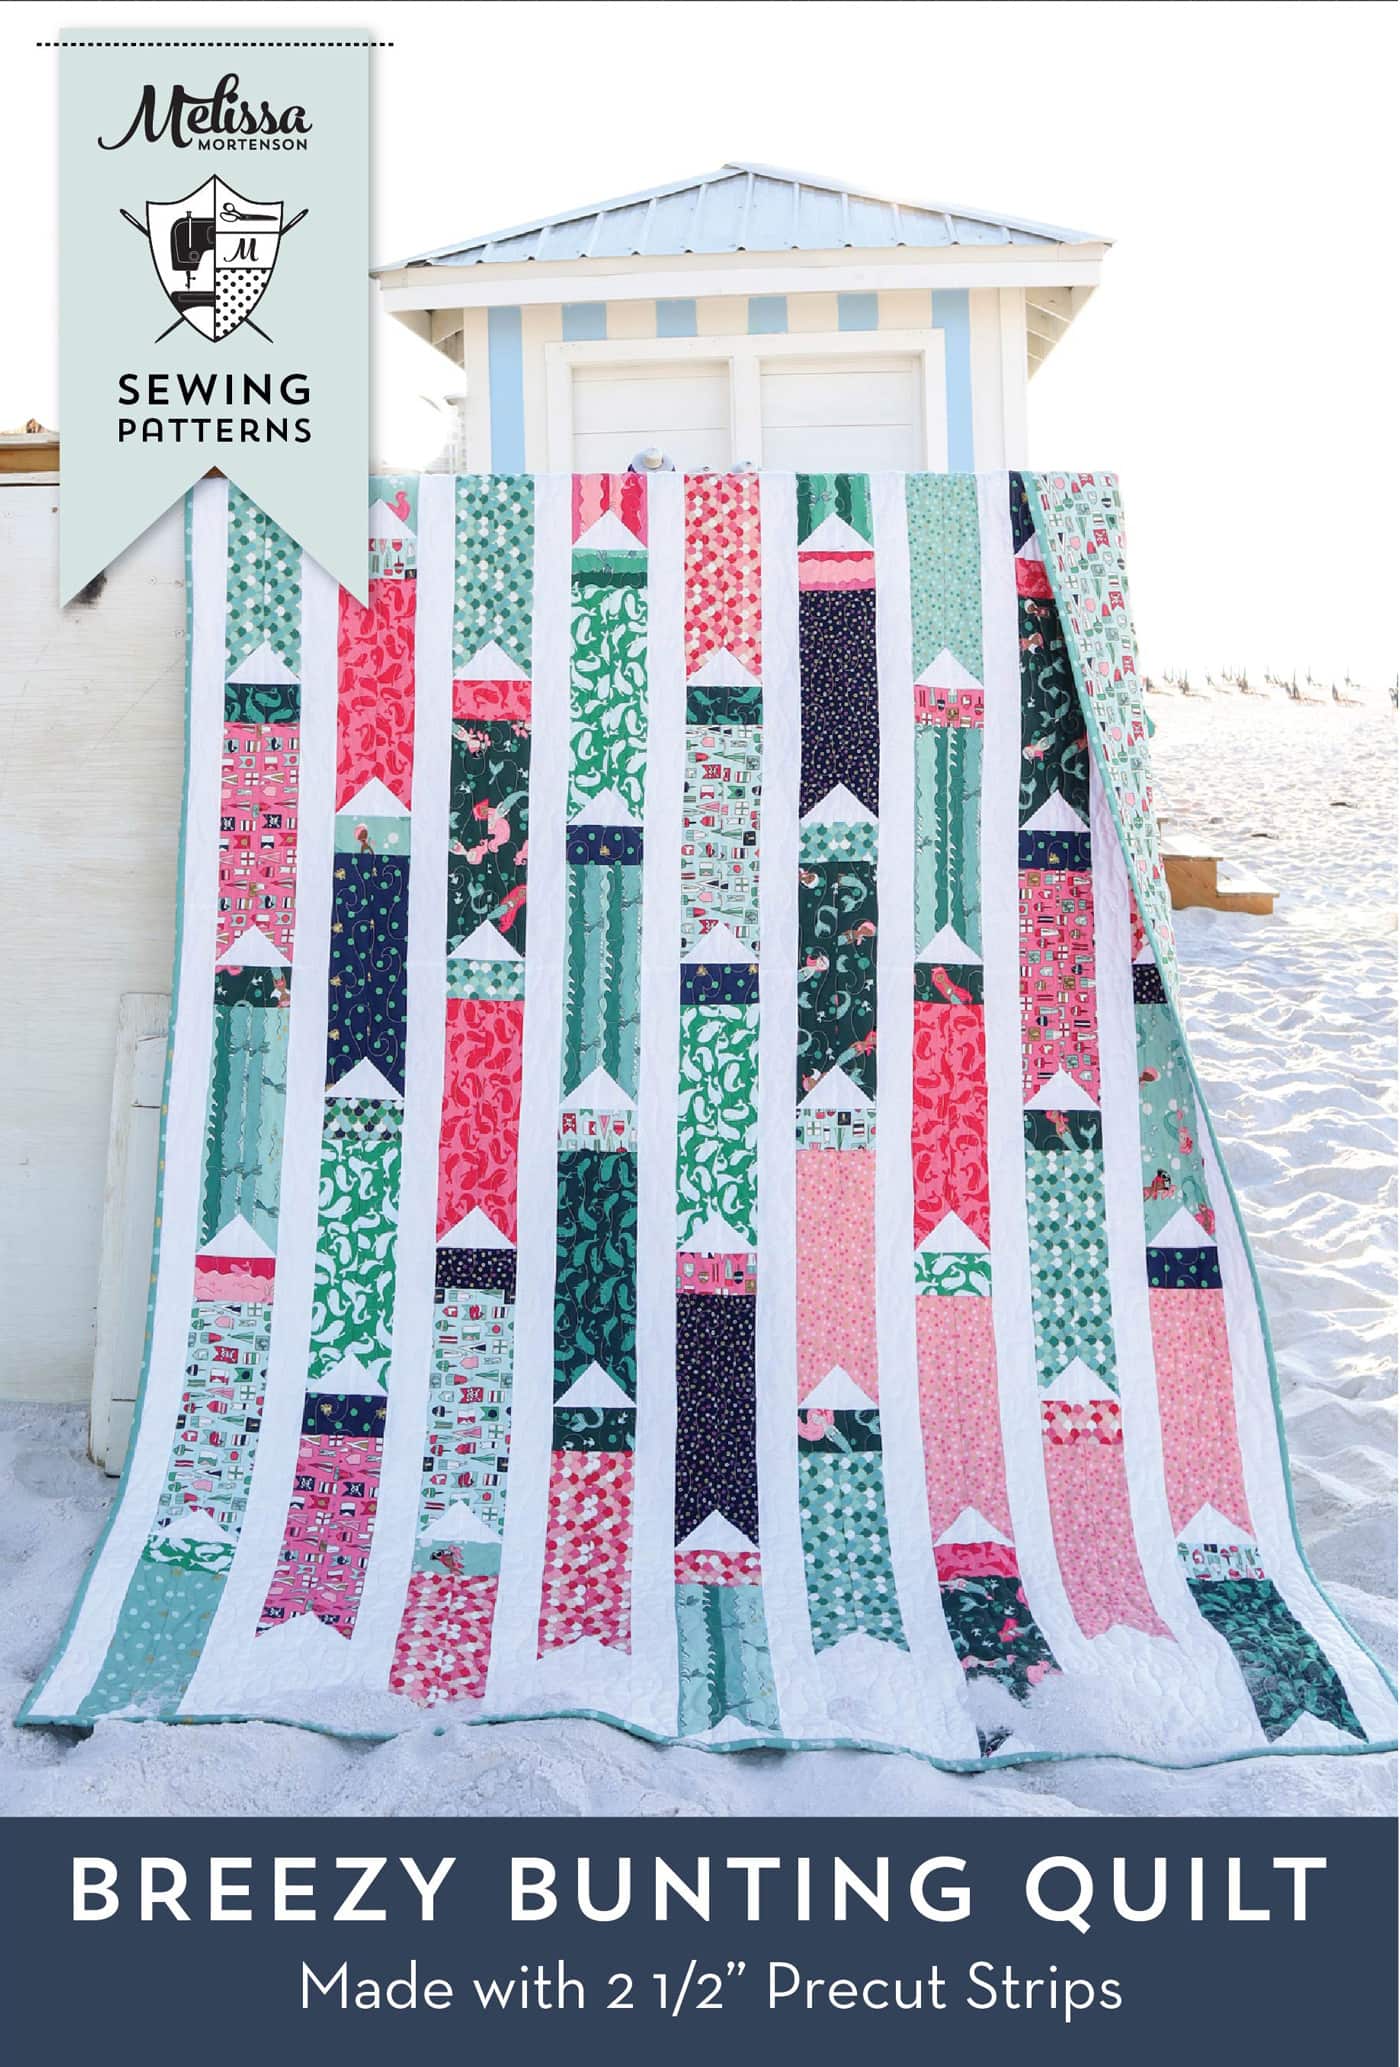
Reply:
x=685, y=1199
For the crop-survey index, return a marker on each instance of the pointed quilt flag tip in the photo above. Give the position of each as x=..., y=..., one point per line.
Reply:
x=347, y=1377
x=950, y=948
x=720, y=670
x=386, y=524
x=716, y=1532
x=837, y=1392
x=713, y=1237
x=375, y=800
x=971, y=1526
x=263, y=669
x=1061, y=1094
x=607, y=809
x=487, y=944
x=1055, y=816
x=1181, y=1232
x=719, y=945
x=951, y=1237
x=834, y=535
x=608, y=535
x=475, y=1230
x=835, y=1092
x=946, y=671
x=1078, y=1386
x=839, y=807
x=1209, y=1525
x=491, y=664
x=597, y=1093
x=238, y=1241
x=252, y=950
x=457, y=1524
x=594, y=1387
x=364, y=1081
x=194, y=1525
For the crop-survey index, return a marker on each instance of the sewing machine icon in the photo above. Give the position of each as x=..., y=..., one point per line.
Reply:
x=214, y=251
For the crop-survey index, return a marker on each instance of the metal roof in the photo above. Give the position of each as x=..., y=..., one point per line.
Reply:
x=743, y=208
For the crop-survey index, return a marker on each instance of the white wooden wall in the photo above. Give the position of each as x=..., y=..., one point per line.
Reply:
x=91, y=754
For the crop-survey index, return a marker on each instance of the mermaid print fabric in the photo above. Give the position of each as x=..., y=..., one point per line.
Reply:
x=685, y=1197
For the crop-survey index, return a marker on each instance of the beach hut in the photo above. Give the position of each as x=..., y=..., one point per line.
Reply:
x=748, y=315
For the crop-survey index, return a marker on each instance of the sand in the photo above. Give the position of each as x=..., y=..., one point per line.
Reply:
x=1292, y=1021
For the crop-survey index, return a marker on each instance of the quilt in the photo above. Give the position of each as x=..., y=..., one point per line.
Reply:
x=684, y=1196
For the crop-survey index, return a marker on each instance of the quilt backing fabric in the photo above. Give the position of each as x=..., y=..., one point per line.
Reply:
x=684, y=1196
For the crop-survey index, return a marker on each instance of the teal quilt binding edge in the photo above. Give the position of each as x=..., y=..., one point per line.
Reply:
x=1202, y=1103
x=28, y=1717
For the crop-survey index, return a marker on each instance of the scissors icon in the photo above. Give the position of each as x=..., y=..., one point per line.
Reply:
x=230, y=214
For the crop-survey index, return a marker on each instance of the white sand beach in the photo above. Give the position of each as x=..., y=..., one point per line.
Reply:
x=1293, y=1023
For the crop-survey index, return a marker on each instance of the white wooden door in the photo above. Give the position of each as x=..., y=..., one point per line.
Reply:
x=860, y=412
x=618, y=410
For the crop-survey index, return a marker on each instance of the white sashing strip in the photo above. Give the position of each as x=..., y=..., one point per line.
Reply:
x=654, y=1674
x=1264, y=1481
x=1011, y=1277
x=236, y=1676
x=188, y=1089
x=925, y=1698
x=512, y=1681
x=1217, y=1700
x=800, y=1704
x=401, y=1471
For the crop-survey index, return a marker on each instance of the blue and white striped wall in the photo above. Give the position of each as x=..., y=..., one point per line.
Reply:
x=504, y=353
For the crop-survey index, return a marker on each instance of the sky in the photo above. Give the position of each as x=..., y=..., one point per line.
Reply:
x=1234, y=369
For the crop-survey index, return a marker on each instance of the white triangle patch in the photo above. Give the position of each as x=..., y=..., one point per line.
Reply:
x=457, y=1524
x=1061, y=1094
x=349, y=1376
x=948, y=946
x=597, y=1093
x=594, y=1388
x=944, y=671
x=837, y=1391
x=835, y=535
x=487, y=944
x=1209, y=1525
x=1077, y=1386
x=972, y=1527
x=385, y=523
x=608, y=535
x=491, y=664
x=364, y=1081
x=263, y=669
x=237, y=1240
x=475, y=1230
x=839, y=807
x=606, y=809
x=1181, y=1232
x=951, y=1238
x=720, y=670
x=715, y=1533
x=1055, y=816
x=375, y=800
x=835, y=1092
x=713, y=1237
x=719, y=945
x=252, y=950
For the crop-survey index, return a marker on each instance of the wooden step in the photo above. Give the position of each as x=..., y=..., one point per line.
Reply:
x=1194, y=878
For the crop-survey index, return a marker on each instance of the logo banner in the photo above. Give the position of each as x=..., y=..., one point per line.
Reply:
x=214, y=297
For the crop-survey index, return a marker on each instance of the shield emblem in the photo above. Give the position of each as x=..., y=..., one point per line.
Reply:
x=214, y=252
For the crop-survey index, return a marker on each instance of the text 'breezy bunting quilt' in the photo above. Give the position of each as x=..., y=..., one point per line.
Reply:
x=685, y=1199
